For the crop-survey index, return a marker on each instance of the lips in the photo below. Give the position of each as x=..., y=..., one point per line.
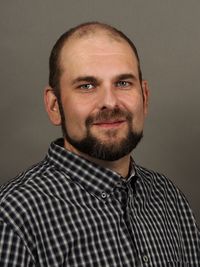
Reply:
x=108, y=124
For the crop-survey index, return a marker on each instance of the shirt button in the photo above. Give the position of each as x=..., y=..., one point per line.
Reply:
x=145, y=259
x=103, y=195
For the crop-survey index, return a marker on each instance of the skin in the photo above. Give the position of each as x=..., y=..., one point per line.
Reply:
x=99, y=73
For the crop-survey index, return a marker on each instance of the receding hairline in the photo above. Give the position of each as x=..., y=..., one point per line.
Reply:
x=92, y=29
x=90, y=32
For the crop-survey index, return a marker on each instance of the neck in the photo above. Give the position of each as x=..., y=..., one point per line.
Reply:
x=120, y=166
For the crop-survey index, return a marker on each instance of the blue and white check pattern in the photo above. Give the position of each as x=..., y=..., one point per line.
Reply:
x=67, y=211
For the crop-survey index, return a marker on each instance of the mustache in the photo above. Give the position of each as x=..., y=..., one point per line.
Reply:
x=108, y=115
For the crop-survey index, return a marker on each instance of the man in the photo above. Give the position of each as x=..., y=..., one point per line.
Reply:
x=88, y=203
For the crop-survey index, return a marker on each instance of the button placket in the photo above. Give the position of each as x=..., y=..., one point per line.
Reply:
x=145, y=258
x=103, y=195
x=119, y=184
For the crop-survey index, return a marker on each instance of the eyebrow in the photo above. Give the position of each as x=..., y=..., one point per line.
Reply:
x=93, y=79
x=126, y=76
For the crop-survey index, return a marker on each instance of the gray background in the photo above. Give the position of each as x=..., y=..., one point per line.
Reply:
x=167, y=35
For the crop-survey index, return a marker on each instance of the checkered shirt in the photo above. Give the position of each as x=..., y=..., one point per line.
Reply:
x=67, y=211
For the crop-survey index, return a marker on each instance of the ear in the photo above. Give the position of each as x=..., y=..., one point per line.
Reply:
x=51, y=105
x=145, y=92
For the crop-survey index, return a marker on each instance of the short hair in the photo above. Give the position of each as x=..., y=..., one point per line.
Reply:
x=79, y=31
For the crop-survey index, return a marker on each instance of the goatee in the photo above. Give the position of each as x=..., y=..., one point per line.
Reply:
x=96, y=148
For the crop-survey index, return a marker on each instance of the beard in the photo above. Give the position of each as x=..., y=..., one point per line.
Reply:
x=96, y=148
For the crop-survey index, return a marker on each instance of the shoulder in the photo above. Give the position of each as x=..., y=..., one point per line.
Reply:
x=155, y=178
x=157, y=188
x=25, y=179
x=160, y=196
x=33, y=191
x=162, y=188
x=24, y=199
x=21, y=196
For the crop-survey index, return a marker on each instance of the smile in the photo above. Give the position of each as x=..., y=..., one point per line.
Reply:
x=109, y=124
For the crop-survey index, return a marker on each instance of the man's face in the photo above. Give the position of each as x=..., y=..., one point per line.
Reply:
x=103, y=104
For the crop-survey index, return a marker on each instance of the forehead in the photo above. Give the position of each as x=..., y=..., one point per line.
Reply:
x=96, y=46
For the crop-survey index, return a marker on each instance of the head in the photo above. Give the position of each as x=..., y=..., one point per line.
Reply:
x=96, y=92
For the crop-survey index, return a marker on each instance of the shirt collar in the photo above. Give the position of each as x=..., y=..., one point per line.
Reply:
x=94, y=178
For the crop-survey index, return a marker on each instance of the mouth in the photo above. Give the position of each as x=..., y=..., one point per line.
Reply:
x=109, y=124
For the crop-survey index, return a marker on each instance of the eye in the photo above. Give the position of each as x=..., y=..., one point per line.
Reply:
x=87, y=86
x=123, y=84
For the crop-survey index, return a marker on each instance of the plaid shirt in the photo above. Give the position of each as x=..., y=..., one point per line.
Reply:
x=67, y=211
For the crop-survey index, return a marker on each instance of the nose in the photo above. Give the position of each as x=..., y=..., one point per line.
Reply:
x=108, y=98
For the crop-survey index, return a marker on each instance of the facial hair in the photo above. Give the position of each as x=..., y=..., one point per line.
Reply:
x=98, y=149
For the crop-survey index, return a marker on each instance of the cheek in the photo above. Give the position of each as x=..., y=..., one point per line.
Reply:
x=133, y=104
x=75, y=117
x=136, y=107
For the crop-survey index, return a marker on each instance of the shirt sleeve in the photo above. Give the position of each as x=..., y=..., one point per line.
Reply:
x=13, y=252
